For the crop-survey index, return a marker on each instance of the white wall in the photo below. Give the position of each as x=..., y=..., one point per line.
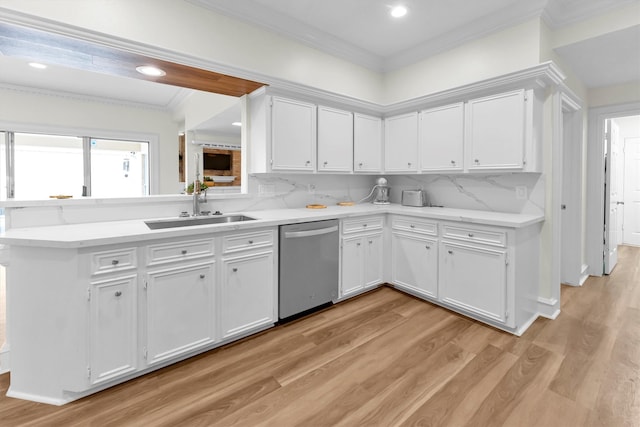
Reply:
x=500, y=53
x=33, y=112
x=180, y=26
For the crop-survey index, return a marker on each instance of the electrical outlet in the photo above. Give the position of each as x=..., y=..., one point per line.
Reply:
x=521, y=192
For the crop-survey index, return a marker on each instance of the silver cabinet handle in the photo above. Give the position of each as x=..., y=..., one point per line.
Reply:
x=358, y=244
x=476, y=161
x=234, y=269
x=453, y=162
x=364, y=225
x=251, y=242
x=427, y=246
x=412, y=226
x=450, y=252
x=202, y=276
x=325, y=163
x=308, y=162
x=183, y=252
x=409, y=164
x=470, y=234
x=371, y=242
x=118, y=293
x=115, y=262
x=360, y=164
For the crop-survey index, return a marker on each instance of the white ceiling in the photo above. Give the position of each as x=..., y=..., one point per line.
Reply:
x=363, y=32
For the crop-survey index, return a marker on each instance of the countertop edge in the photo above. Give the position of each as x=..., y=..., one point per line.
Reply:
x=127, y=231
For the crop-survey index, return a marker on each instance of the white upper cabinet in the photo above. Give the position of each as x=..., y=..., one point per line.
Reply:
x=367, y=143
x=293, y=135
x=496, y=131
x=442, y=138
x=335, y=140
x=401, y=143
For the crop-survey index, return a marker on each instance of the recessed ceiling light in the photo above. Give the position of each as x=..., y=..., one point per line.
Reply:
x=37, y=65
x=398, y=11
x=149, y=70
x=236, y=124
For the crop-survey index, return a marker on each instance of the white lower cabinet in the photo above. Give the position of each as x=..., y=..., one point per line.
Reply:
x=179, y=307
x=414, y=264
x=247, y=292
x=474, y=279
x=362, y=255
x=113, y=325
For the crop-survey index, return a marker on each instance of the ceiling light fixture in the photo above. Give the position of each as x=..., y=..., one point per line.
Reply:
x=37, y=65
x=236, y=124
x=149, y=70
x=398, y=11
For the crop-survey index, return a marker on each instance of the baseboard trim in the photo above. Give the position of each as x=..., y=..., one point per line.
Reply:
x=548, y=307
x=583, y=274
x=4, y=359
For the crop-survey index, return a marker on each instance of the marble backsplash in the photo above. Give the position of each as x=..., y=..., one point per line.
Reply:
x=495, y=192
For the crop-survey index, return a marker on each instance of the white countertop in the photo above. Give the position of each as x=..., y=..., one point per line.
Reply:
x=114, y=232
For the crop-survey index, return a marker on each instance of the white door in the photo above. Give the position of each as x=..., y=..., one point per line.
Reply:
x=613, y=197
x=247, y=298
x=335, y=140
x=632, y=191
x=180, y=310
x=401, y=143
x=367, y=143
x=293, y=135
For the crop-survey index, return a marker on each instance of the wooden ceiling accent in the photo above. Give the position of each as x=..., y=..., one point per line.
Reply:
x=48, y=48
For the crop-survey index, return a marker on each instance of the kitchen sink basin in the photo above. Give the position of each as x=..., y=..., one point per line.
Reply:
x=197, y=220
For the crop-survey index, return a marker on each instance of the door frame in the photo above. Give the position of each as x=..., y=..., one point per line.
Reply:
x=595, y=180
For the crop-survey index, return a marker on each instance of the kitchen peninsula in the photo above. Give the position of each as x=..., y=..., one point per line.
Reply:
x=113, y=300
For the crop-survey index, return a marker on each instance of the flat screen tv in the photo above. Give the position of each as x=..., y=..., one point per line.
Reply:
x=218, y=162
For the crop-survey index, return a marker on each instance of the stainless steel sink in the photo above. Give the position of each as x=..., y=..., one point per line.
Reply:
x=197, y=220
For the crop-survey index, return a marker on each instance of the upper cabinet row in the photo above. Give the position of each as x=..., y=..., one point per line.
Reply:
x=497, y=132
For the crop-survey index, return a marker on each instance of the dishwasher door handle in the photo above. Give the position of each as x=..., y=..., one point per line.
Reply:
x=308, y=233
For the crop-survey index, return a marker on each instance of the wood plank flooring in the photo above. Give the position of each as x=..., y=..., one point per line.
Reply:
x=388, y=359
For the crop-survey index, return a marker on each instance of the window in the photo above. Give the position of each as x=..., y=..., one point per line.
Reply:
x=55, y=165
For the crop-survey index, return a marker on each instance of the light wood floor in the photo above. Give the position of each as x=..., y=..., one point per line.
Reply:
x=387, y=359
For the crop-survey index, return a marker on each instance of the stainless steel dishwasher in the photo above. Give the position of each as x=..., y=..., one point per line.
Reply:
x=308, y=266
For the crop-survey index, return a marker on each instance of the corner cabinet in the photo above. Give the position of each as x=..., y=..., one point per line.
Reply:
x=414, y=260
x=442, y=139
x=401, y=143
x=367, y=143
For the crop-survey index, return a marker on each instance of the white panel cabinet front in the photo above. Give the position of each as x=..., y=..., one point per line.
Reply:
x=179, y=310
x=362, y=258
x=496, y=131
x=442, y=138
x=247, y=292
x=367, y=143
x=401, y=143
x=474, y=279
x=293, y=135
x=113, y=338
x=335, y=140
x=415, y=263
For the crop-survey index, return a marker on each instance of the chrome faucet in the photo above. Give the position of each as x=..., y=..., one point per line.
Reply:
x=198, y=196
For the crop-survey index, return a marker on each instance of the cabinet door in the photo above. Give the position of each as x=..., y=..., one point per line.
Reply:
x=367, y=143
x=247, y=293
x=496, y=131
x=415, y=264
x=179, y=310
x=352, y=262
x=401, y=143
x=113, y=328
x=293, y=135
x=335, y=140
x=372, y=260
x=442, y=138
x=474, y=279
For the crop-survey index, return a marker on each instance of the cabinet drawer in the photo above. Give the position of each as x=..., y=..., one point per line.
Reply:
x=112, y=261
x=470, y=234
x=415, y=225
x=241, y=242
x=362, y=224
x=178, y=251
